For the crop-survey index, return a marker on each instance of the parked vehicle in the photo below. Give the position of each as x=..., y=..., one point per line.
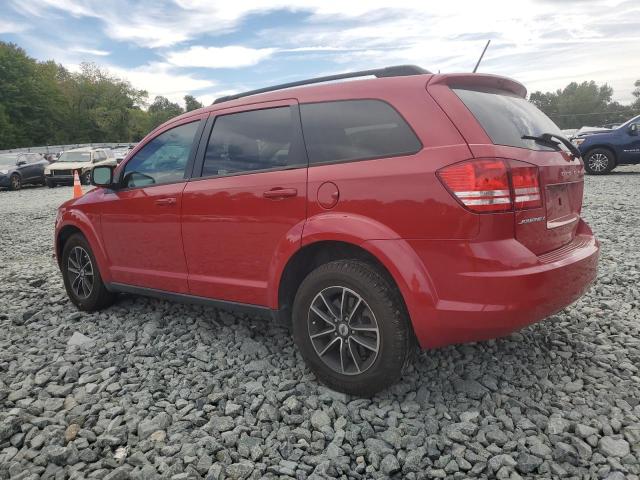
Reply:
x=605, y=149
x=120, y=152
x=81, y=160
x=416, y=208
x=21, y=169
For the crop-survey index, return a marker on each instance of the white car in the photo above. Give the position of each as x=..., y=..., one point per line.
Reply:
x=81, y=160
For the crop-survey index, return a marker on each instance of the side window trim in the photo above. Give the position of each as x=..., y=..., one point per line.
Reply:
x=378, y=157
x=190, y=160
x=297, y=145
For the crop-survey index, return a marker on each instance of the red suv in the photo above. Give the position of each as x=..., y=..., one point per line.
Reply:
x=372, y=214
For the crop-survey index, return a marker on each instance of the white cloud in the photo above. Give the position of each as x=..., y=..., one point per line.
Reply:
x=218, y=57
x=91, y=51
x=7, y=26
x=159, y=79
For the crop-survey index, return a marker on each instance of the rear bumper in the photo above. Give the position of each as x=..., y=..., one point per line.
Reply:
x=485, y=291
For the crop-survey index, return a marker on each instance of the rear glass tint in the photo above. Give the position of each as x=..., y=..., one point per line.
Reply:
x=355, y=130
x=506, y=117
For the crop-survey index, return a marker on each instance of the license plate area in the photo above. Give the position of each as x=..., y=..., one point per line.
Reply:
x=563, y=208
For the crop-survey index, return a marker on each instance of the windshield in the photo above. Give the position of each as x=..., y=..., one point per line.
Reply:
x=506, y=117
x=629, y=122
x=75, y=157
x=8, y=161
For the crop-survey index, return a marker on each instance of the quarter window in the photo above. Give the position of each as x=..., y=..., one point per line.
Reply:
x=355, y=130
x=163, y=159
x=252, y=141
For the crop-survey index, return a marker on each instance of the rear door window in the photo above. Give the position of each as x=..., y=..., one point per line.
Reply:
x=355, y=130
x=252, y=141
x=506, y=117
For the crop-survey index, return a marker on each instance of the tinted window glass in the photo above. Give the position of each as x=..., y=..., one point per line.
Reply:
x=355, y=130
x=163, y=159
x=507, y=117
x=250, y=141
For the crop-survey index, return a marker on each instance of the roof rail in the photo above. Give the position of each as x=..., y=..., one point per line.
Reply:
x=395, y=71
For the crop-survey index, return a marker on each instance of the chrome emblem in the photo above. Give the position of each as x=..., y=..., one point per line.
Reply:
x=524, y=221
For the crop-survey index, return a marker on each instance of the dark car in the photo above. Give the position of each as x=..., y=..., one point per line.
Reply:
x=371, y=214
x=21, y=169
x=603, y=150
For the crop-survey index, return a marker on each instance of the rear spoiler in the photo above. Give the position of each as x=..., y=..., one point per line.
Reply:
x=481, y=80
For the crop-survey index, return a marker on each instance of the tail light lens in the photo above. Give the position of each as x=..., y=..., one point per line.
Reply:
x=483, y=185
x=526, y=188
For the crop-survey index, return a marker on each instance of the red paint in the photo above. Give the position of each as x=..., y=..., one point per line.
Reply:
x=463, y=275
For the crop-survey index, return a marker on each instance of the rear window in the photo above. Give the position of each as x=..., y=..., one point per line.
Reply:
x=507, y=117
x=355, y=130
x=252, y=141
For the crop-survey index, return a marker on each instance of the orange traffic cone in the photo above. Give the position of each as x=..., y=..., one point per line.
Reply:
x=77, y=188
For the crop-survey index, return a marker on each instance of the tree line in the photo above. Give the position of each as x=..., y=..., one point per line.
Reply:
x=43, y=103
x=586, y=104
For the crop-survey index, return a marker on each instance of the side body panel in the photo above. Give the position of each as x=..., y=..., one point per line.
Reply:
x=234, y=226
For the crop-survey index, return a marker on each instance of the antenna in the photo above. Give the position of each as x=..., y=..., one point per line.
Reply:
x=481, y=55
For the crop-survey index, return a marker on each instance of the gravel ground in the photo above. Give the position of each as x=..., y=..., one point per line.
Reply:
x=160, y=390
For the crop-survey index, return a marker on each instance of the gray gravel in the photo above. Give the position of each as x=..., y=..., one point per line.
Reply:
x=149, y=389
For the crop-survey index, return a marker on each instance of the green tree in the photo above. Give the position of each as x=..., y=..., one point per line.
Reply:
x=162, y=110
x=191, y=103
x=580, y=104
x=30, y=99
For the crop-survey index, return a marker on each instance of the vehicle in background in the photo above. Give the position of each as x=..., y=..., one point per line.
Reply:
x=81, y=160
x=373, y=214
x=120, y=152
x=605, y=149
x=21, y=169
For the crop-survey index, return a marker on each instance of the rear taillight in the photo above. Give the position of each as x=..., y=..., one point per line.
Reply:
x=484, y=186
x=481, y=185
x=526, y=188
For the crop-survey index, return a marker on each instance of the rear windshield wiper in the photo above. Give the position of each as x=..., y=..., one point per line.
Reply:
x=554, y=140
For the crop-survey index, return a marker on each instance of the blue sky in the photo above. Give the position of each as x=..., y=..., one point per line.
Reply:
x=210, y=48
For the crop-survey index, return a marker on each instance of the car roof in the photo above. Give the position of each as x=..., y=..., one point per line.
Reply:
x=358, y=89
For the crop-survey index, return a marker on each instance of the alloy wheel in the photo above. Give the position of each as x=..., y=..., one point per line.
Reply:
x=598, y=162
x=15, y=182
x=80, y=272
x=343, y=330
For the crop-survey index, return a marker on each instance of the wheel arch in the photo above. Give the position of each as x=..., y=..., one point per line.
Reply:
x=607, y=147
x=83, y=226
x=413, y=285
x=311, y=256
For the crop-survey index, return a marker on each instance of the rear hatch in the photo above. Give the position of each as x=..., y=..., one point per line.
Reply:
x=505, y=116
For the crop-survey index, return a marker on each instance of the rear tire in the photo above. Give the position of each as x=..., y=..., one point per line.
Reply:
x=599, y=161
x=351, y=327
x=81, y=276
x=15, y=182
x=50, y=184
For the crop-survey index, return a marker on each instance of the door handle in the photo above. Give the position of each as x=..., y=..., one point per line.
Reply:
x=166, y=202
x=276, y=193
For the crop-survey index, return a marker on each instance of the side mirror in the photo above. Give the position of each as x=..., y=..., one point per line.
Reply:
x=102, y=176
x=633, y=129
x=19, y=163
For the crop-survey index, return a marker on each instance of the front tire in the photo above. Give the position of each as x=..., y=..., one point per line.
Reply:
x=85, y=178
x=599, y=161
x=81, y=276
x=15, y=182
x=351, y=327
